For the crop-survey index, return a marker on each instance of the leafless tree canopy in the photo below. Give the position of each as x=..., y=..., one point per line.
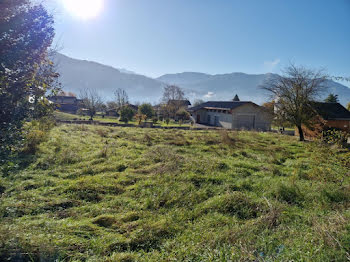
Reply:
x=91, y=101
x=172, y=92
x=173, y=97
x=294, y=93
x=122, y=97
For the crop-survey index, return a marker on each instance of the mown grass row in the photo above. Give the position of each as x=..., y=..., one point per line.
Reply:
x=123, y=194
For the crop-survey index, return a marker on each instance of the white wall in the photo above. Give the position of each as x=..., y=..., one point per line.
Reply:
x=262, y=120
x=225, y=120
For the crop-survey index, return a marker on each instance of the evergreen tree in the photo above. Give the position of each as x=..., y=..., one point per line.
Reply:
x=147, y=110
x=332, y=98
x=126, y=114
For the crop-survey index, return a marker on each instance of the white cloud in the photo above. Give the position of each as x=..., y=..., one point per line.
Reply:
x=209, y=95
x=270, y=65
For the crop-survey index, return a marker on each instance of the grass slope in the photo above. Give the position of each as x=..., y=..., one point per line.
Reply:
x=127, y=194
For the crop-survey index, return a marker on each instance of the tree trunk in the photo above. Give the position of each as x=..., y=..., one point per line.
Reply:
x=301, y=134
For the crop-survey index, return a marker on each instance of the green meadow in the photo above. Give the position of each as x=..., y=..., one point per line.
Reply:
x=111, y=119
x=91, y=193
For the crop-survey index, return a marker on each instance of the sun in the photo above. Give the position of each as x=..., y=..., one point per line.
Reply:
x=84, y=9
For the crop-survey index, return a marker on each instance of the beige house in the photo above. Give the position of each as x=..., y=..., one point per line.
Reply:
x=232, y=115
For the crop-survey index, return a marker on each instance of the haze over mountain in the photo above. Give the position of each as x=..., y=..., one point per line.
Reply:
x=225, y=86
x=78, y=74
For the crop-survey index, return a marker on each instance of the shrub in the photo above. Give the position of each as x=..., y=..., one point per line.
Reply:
x=140, y=117
x=182, y=114
x=36, y=132
x=33, y=140
x=337, y=137
x=147, y=110
x=126, y=114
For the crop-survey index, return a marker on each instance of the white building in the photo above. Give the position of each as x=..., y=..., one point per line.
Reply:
x=232, y=115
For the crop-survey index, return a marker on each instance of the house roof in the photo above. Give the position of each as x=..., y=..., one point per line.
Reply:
x=331, y=111
x=183, y=102
x=222, y=105
x=59, y=96
x=132, y=106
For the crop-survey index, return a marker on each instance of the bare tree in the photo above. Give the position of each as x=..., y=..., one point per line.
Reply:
x=172, y=92
x=294, y=93
x=197, y=102
x=91, y=101
x=122, y=97
x=173, y=97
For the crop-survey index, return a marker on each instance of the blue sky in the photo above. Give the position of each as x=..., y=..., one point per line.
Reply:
x=154, y=37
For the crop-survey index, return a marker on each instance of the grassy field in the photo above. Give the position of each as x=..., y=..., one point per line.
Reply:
x=65, y=116
x=94, y=193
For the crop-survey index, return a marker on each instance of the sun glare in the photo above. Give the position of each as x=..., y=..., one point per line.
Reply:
x=84, y=9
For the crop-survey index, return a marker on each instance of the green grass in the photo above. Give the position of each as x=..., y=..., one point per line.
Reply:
x=124, y=194
x=66, y=116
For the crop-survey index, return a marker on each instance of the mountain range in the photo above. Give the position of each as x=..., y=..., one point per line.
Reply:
x=79, y=74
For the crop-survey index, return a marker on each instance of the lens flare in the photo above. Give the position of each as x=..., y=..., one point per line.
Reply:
x=84, y=9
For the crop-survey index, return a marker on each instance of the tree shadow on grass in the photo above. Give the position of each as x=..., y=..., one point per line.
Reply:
x=16, y=163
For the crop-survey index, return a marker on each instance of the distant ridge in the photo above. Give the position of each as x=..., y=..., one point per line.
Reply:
x=77, y=74
x=225, y=86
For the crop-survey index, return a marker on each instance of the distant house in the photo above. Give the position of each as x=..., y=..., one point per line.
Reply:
x=68, y=104
x=133, y=107
x=232, y=115
x=112, y=112
x=333, y=115
x=158, y=110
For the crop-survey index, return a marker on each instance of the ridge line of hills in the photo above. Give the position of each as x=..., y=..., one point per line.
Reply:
x=77, y=74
